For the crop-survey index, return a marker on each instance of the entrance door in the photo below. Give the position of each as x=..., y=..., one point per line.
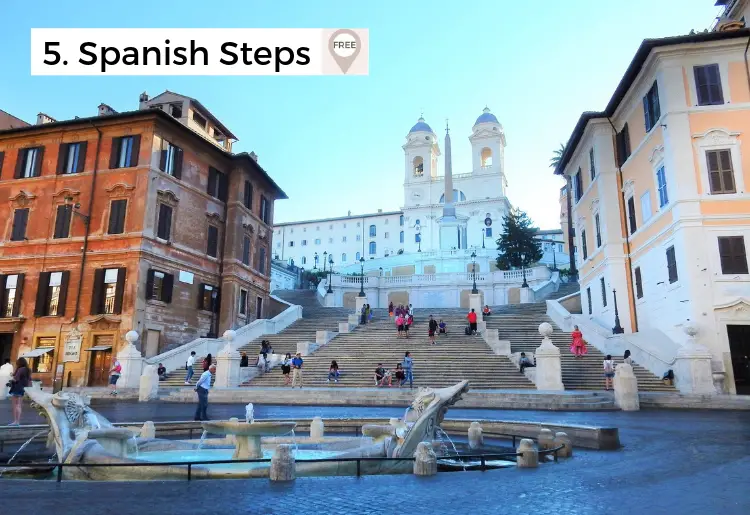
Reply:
x=6, y=342
x=259, y=308
x=101, y=360
x=152, y=343
x=739, y=347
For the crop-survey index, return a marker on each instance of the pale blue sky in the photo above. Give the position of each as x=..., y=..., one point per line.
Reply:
x=334, y=143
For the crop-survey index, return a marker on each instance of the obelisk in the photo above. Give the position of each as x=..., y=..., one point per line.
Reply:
x=452, y=228
x=449, y=209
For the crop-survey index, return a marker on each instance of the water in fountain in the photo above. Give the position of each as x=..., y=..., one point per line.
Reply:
x=135, y=444
x=93, y=420
x=249, y=413
x=27, y=442
x=203, y=439
x=52, y=458
x=294, y=442
x=442, y=436
x=406, y=412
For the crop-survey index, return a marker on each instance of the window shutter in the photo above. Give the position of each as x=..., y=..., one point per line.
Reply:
x=727, y=176
x=38, y=162
x=246, y=251
x=163, y=158
x=248, y=194
x=20, y=220
x=64, y=283
x=223, y=186
x=211, y=189
x=626, y=141
x=165, y=222
x=150, y=284
x=117, y=210
x=3, y=295
x=82, y=148
x=201, y=293
x=213, y=239
x=135, y=150
x=62, y=221
x=646, y=113
x=40, y=309
x=2, y=158
x=638, y=283
x=713, y=85
x=19, y=295
x=701, y=84
x=631, y=215
x=177, y=168
x=19, y=163
x=114, y=152
x=714, y=175
x=167, y=286
x=97, y=300
x=62, y=155
x=119, y=290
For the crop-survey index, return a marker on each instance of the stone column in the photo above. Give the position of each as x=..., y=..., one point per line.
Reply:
x=548, y=367
x=475, y=303
x=626, y=388
x=526, y=295
x=283, y=466
x=227, y=364
x=563, y=439
x=476, y=439
x=498, y=346
x=360, y=301
x=344, y=327
x=693, y=372
x=149, y=385
x=323, y=337
x=529, y=457
x=317, y=429
x=425, y=462
x=546, y=439
x=131, y=360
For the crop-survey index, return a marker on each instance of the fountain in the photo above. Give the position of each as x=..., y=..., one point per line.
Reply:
x=247, y=435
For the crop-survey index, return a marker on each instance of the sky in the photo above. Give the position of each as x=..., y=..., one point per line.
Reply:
x=333, y=144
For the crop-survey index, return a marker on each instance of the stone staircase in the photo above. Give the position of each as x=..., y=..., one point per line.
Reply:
x=564, y=290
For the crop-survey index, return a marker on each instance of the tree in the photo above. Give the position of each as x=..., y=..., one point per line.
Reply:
x=557, y=156
x=517, y=244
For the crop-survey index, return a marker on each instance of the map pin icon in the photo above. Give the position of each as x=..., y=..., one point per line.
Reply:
x=344, y=46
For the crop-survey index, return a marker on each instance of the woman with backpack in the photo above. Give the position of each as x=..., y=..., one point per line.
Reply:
x=609, y=372
x=21, y=379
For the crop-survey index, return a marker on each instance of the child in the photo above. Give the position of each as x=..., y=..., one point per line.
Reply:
x=609, y=372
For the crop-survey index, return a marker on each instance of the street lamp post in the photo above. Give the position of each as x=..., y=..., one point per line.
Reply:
x=315, y=259
x=474, y=273
x=325, y=256
x=362, y=277
x=617, y=329
x=330, y=273
x=483, y=233
x=523, y=269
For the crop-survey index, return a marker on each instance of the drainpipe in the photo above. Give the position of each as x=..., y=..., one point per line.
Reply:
x=624, y=223
x=571, y=240
x=87, y=222
x=217, y=316
x=747, y=66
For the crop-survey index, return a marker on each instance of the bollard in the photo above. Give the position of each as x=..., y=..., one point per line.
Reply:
x=625, y=385
x=317, y=429
x=476, y=439
x=425, y=461
x=563, y=439
x=529, y=457
x=283, y=466
x=546, y=439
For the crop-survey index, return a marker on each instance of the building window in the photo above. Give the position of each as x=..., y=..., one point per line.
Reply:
x=651, y=109
x=125, y=152
x=262, y=260
x=671, y=265
x=164, y=224
x=199, y=120
x=588, y=298
x=330, y=240
x=51, y=293
x=62, y=221
x=217, y=184
x=631, y=215
x=29, y=162
x=159, y=286
x=373, y=248
x=583, y=245
x=20, y=221
x=386, y=221
x=733, y=256
x=303, y=243
x=265, y=211
x=598, y=231
x=171, y=159
x=212, y=247
x=317, y=227
x=401, y=237
x=623, y=145
x=291, y=244
x=401, y=220
x=42, y=364
x=243, y=302
x=71, y=158
x=10, y=295
x=208, y=298
x=385, y=235
x=317, y=241
x=604, y=292
x=578, y=185
x=373, y=231
x=109, y=288
x=343, y=239
x=175, y=110
x=417, y=238
x=246, y=251
x=304, y=260
x=343, y=258
x=358, y=256
x=488, y=232
x=592, y=166
x=646, y=206
x=247, y=199
x=638, y=283
x=117, y=209
x=720, y=173
x=661, y=182
x=708, y=85
x=358, y=237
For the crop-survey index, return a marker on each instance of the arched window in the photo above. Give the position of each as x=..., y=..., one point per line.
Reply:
x=358, y=256
x=373, y=231
x=373, y=248
x=418, y=222
x=304, y=260
x=486, y=157
x=458, y=196
x=418, y=166
x=401, y=220
x=343, y=258
x=401, y=237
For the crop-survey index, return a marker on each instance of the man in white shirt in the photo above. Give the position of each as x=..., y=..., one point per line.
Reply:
x=189, y=364
x=202, y=387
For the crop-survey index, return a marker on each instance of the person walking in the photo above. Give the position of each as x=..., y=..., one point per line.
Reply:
x=207, y=362
x=578, y=347
x=189, y=366
x=472, y=317
x=363, y=314
x=18, y=384
x=609, y=371
x=400, y=324
x=201, y=388
x=407, y=365
x=370, y=313
x=286, y=368
x=407, y=325
x=432, y=327
x=626, y=358
x=297, y=363
x=390, y=309
x=114, y=375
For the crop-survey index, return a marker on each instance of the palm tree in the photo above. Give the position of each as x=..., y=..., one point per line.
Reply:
x=557, y=156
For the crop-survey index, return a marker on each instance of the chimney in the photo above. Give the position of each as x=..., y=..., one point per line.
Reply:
x=143, y=101
x=380, y=210
x=42, y=118
x=105, y=110
x=254, y=156
x=349, y=213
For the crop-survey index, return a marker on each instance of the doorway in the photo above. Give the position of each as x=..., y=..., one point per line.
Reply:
x=6, y=343
x=152, y=343
x=739, y=348
x=259, y=308
x=100, y=360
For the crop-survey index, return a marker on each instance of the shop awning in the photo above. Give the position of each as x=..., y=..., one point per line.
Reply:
x=38, y=352
x=100, y=347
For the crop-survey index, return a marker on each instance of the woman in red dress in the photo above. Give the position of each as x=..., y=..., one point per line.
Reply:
x=578, y=348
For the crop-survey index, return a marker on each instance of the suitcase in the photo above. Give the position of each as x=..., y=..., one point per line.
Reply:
x=467, y=331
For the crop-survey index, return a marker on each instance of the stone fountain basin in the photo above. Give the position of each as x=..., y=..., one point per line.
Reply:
x=229, y=427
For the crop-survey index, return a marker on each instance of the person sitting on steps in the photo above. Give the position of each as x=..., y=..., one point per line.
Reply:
x=400, y=375
x=525, y=362
x=380, y=374
x=486, y=311
x=333, y=372
x=442, y=327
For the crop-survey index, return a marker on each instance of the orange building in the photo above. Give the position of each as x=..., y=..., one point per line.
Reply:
x=127, y=221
